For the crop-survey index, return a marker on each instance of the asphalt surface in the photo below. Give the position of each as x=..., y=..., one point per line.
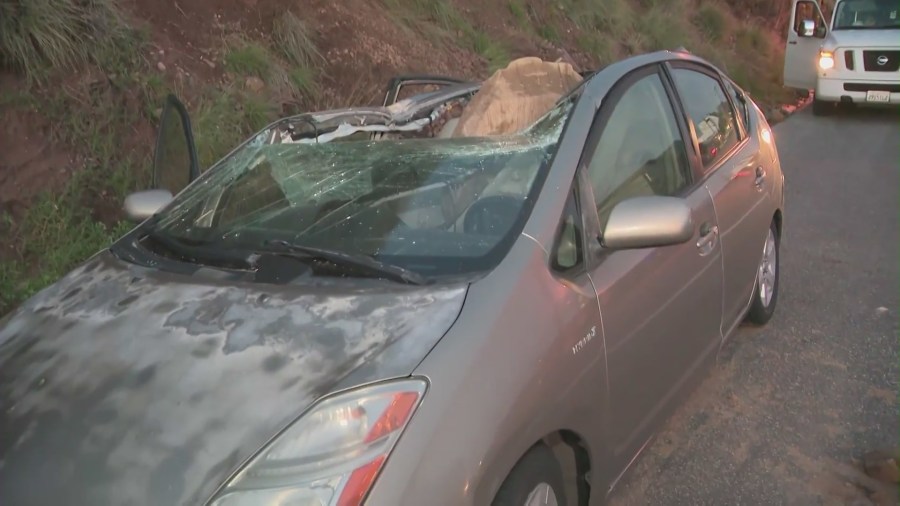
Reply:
x=791, y=407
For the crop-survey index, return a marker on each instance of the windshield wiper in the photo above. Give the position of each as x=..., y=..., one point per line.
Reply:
x=362, y=262
x=200, y=254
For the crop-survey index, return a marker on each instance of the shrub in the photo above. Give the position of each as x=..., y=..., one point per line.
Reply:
x=712, y=21
x=38, y=35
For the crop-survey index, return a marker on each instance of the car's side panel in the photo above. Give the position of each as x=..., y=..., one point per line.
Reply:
x=661, y=310
x=738, y=186
x=524, y=359
x=738, y=190
x=661, y=306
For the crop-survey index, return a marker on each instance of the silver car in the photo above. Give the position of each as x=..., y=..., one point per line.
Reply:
x=354, y=308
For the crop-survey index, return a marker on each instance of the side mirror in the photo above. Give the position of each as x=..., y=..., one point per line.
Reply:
x=807, y=28
x=141, y=205
x=175, y=162
x=646, y=222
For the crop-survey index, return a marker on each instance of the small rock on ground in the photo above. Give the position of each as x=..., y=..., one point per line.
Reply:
x=254, y=84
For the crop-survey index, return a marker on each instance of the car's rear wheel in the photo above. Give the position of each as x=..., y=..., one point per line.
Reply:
x=536, y=480
x=765, y=290
x=822, y=108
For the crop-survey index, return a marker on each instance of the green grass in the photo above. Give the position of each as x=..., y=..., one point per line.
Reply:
x=442, y=14
x=494, y=52
x=294, y=40
x=601, y=48
x=59, y=231
x=662, y=27
x=37, y=36
x=752, y=39
x=249, y=59
x=290, y=70
x=549, y=32
x=612, y=18
x=304, y=80
x=17, y=98
x=224, y=119
x=519, y=13
x=711, y=20
x=54, y=235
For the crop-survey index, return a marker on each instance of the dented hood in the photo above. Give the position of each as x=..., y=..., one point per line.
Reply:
x=123, y=385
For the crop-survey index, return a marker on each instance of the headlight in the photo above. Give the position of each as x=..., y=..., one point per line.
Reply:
x=826, y=60
x=331, y=455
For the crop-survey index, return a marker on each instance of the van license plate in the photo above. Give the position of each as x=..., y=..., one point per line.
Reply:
x=878, y=96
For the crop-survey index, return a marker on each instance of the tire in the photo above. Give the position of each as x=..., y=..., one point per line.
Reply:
x=822, y=108
x=767, y=274
x=527, y=484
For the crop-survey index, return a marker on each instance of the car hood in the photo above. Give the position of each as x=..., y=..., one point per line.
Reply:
x=863, y=38
x=124, y=385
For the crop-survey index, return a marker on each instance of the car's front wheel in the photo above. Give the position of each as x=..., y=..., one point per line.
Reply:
x=765, y=290
x=536, y=480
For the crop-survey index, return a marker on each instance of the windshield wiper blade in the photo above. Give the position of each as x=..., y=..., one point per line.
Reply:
x=200, y=254
x=362, y=262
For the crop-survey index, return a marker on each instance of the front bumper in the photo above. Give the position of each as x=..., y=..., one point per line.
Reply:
x=835, y=90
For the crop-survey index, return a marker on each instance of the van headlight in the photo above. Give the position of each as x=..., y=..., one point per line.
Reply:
x=826, y=60
x=331, y=455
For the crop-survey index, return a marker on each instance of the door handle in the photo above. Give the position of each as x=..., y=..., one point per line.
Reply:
x=760, y=178
x=793, y=42
x=709, y=235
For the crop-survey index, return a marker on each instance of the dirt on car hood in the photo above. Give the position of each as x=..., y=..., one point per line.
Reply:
x=124, y=385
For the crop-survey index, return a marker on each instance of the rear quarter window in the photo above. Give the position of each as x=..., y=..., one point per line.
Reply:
x=743, y=109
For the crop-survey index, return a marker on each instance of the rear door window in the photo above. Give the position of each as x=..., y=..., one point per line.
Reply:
x=710, y=112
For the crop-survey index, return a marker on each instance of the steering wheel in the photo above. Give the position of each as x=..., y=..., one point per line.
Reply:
x=492, y=215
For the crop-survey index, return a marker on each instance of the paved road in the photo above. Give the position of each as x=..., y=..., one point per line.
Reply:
x=789, y=406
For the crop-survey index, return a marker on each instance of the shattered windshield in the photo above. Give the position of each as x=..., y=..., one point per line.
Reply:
x=862, y=14
x=431, y=205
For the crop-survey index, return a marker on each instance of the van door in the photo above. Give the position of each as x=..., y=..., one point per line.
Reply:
x=806, y=33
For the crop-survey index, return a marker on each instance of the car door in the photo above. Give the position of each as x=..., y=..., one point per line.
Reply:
x=802, y=49
x=661, y=306
x=396, y=84
x=735, y=176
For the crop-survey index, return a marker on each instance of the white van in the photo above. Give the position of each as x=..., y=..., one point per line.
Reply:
x=853, y=59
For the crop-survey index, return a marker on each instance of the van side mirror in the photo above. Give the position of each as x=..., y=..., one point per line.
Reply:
x=808, y=28
x=647, y=222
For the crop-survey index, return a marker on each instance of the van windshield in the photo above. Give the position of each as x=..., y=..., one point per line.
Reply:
x=866, y=14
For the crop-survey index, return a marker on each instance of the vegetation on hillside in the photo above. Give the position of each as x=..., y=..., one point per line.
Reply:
x=106, y=116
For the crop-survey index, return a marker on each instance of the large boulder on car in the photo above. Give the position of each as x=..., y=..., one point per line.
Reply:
x=516, y=96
